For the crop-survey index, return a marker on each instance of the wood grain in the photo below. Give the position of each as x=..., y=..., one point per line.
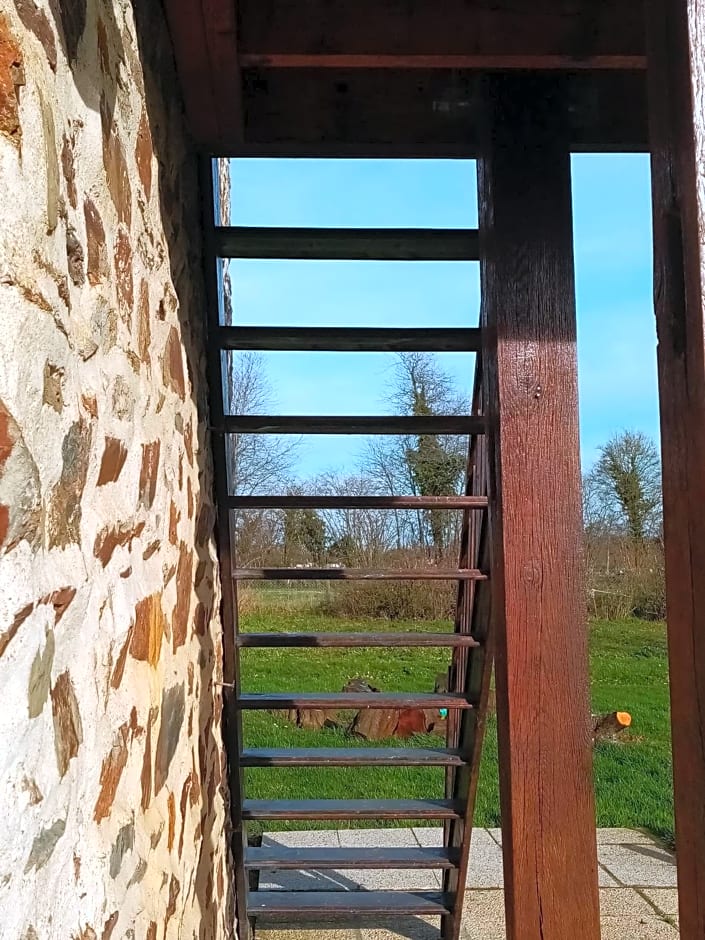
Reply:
x=351, y=339
x=677, y=123
x=351, y=809
x=541, y=667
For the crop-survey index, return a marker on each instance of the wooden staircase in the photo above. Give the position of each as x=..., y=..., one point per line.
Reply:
x=469, y=674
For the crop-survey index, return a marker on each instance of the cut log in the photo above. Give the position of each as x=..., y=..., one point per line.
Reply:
x=376, y=724
x=607, y=727
x=311, y=718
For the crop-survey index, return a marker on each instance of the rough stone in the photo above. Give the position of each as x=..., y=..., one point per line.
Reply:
x=11, y=75
x=37, y=22
x=144, y=334
x=143, y=154
x=97, y=268
x=173, y=364
x=116, y=167
x=184, y=588
x=68, y=730
x=75, y=257
x=52, y=164
x=172, y=718
x=44, y=845
x=71, y=15
x=20, y=491
x=114, y=537
x=123, y=274
x=40, y=677
x=148, y=631
x=53, y=392
x=124, y=843
x=64, y=513
x=110, y=774
x=69, y=169
x=148, y=473
x=112, y=461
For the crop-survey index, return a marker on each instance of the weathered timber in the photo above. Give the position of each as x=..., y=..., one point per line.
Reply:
x=530, y=379
x=358, y=574
x=283, y=857
x=351, y=756
x=351, y=809
x=324, y=640
x=676, y=31
x=296, y=501
x=367, y=424
x=305, y=903
x=263, y=701
x=350, y=339
x=347, y=244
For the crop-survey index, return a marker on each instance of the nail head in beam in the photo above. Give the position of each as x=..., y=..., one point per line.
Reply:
x=358, y=574
x=347, y=244
x=367, y=424
x=296, y=501
x=350, y=339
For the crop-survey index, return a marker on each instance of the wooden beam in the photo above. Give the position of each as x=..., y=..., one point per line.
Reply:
x=510, y=34
x=349, y=424
x=677, y=123
x=530, y=384
x=478, y=61
x=351, y=339
x=204, y=37
x=347, y=244
x=423, y=113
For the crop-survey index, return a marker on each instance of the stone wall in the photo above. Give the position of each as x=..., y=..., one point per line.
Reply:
x=111, y=803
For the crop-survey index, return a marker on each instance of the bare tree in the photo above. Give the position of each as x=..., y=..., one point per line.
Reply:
x=356, y=536
x=625, y=485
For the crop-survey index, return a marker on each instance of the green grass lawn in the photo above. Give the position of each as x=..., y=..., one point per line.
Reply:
x=628, y=673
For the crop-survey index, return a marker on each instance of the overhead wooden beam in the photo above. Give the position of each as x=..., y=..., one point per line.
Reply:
x=204, y=37
x=677, y=86
x=414, y=34
x=538, y=599
x=423, y=113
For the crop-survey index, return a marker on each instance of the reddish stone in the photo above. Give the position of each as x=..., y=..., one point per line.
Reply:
x=119, y=670
x=110, y=774
x=173, y=523
x=110, y=925
x=64, y=512
x=90, y=403
x=115, y=167
x=74, y=257
x=411, y=721
x=184, y=587
x=200, y=619
x=148, y=473
x=150, y=550
x=151, y=931
x=4, y=522
x=149, y=630
x=9, y=634
x=69, y=170
x=38, y=23
x=144, y=334
x=188, y=441
x=109, y=539
x=123, y=273
x=97, y=267
x=11, y=75
x=53, y=392
x=189, y=499
x=174, y=890
x=112, y=462
x=103, y=48
x=144, y=153
x=126, y=573
x=173, y=364
x=60, y=601
x=171, y=807
x=68, y=730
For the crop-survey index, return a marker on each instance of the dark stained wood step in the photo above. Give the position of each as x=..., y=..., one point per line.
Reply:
x=297, y=501
x=350, y=339
x=286, y=700
x=305, y=903
x=352, y=640
x=352, y=809
x=354, y=424
x=352, y=756
x=358, y=574
x=284, y=857
x=347, y=244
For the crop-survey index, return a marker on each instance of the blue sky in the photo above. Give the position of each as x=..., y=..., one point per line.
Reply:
x=616, y=342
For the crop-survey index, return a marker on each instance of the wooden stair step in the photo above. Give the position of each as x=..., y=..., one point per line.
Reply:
x=352, y=809
x=346, y=244
x=286, y=700
x=358, y=574
x=285, y=857
x=305, y=903
x=353, y=640
x=354, y=424
x=351, y=756
x=300, y=501
x=350, y=339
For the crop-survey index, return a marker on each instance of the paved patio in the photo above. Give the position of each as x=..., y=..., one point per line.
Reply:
x=637, y=886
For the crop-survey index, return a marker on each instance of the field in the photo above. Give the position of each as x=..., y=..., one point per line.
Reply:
x=628, y=673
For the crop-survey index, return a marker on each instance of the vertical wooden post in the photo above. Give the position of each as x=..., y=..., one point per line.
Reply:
x=543, y=710
x=676, y=47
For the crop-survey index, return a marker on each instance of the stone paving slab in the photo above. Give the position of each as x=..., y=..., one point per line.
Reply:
x=638, y=900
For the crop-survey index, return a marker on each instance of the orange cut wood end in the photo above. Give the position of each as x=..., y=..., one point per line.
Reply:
x=624, y=719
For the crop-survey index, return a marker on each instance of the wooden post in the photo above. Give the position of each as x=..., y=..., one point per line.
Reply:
x=676, y=41
x=539, y=605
